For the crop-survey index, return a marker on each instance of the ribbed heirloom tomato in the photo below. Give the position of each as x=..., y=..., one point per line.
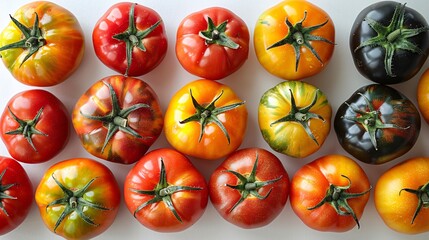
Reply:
x=294, y=39
x=205, y=119
x=42, y=45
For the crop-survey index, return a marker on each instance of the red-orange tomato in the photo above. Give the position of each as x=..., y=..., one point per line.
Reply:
x=212, y=43
x=250, y=188
x=165, y=192
x=330, y=193
x=423, y=95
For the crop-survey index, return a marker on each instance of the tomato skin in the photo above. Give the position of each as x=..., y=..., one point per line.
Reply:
x=122, y=147
x=309, y=186
x=290, y=136
x=252, y=212
x=386, y=143
x=179, y=171
x=112, y=52
x=370, y=59
x=54, y=124
x=61, y=54
x=211, y=61
x=281, y=61
x=213, y=143
x=17, y=209
x=423, y=95
x=74, y=174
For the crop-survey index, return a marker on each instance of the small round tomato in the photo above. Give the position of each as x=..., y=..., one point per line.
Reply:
x=377, y=124
x=78, y=198
x=205, y=119
x=212, y=43
x=130, y=39
x=389, y=42
x=118, y=119
x=165, y=192
x=294, y=118
x=423, y=95
x=330, y=193
x=34, y=126
x=42, y=45
x=402, y=194
x=249, y=188
x=16, y=194
x=294, y=39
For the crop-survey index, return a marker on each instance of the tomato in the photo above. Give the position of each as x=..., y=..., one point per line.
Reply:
x=330, y=193
x=42, y=45
x=35, y=126
x=401, y=196
x=294, y=118
x=423, y=95
x=16, y=194
x=212, y=43
x=377, y=124
x=130, y=39
x=294, y=39
x=165, y=192
x=249, y=188
x=118, y=118
x=205, y=119
x=389, y=42
x=78, y=198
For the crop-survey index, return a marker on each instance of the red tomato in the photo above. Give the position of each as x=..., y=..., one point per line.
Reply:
x=165, y=192
x=212, y=43
x=16, y=194
x=130, y=39
x=34, y=126
x=330, y=193
x=118, y=119
x=249, y=188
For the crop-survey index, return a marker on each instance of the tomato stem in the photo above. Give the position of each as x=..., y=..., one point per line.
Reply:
x=4, y=189
x=217, y=35
x=422, y=194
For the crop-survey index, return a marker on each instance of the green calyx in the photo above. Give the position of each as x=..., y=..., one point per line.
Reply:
x=301, y=115
x=370, y=120
x=249, y=185
x=162, y=193
x=117, y=119
x=3, y=194
x=337, y=197
x=422, y=194
x=216, y=35
x=208, y=114
x=299, y=36
x=27, y=128
x=393, y=37
x=32, y=41
x=133, y=37
x=74, y=201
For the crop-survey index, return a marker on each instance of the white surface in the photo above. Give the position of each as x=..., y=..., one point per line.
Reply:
x=338, y=81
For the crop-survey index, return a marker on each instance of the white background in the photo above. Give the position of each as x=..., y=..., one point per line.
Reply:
x=339, y=80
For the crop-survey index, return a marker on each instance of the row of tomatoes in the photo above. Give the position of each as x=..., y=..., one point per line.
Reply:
x=119, y=117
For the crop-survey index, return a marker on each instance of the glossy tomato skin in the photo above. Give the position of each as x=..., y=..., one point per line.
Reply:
x=96, y=184
x=62, y=50
x=209, y=142
x=370, y=59
x=112, y=51
x=212, y=60
x=395, y=124
x=16, y=184
x=146, y=175
x=310, y=184
x=252, y=212
x=51, y=130
x=294, y=118
x=423, y=95
x=278, y=55
x=127, y=106
x=396, y=206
